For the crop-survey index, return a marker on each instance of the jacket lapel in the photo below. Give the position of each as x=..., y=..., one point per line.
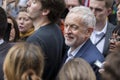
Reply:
x=83, y=49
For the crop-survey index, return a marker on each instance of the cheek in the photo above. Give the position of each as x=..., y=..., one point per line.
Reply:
x=103, y=13
x=79, y=40
x=28, y=24
x=100, y=15
x=35, y=9
x=80, y=37
x=118, y=44
x=18, y=22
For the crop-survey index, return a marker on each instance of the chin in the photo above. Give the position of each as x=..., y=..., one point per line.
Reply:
x=68, y=43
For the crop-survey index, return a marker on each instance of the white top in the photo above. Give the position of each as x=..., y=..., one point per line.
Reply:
x=1, y=41
x=97, y=35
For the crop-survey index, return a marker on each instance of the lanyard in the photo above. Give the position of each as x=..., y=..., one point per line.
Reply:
x=99, y=40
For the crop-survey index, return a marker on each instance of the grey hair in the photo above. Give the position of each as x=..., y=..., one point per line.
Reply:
x=86, y=15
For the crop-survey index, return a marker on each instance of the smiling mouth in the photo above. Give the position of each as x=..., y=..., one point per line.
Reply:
x=112, y=47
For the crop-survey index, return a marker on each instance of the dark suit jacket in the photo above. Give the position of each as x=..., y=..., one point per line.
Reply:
x=4, y=47
x=110, y=28
x=90, y=53
x=51, y=40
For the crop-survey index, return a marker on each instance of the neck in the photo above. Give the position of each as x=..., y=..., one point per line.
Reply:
x=40, y=22
x=100, y=26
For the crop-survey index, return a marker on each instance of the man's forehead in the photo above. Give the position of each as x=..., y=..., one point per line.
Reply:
x=97, y=3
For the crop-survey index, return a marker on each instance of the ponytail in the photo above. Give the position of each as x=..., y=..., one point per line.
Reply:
x=30, y=75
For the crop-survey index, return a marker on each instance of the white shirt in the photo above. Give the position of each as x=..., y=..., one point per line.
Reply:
x=71, y=54
x=97, y=35
x=1, y=41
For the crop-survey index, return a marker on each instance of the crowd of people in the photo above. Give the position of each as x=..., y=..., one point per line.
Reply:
x=59, y=39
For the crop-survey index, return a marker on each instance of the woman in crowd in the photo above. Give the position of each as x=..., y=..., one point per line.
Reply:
x=115, y=39
x=24, y=62
x=25, y=24
x=14, y=31
x=76, y=69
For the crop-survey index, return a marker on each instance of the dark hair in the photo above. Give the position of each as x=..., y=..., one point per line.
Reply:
x=117, y=30
x=17, y=33
x=112, y=71
x=56, y=8
x=3, y=22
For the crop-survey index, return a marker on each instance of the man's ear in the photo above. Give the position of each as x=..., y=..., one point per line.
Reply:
x=45, y=12
x=109, y=11
x=89, y=31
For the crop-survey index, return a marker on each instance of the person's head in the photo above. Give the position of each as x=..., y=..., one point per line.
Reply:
x=73, y=3
x=14, y=33
x=51, y=9
x=78, y=26
x=115, y=40
x=101, y=9
x=112, y=67
x=24, y=21
x=76, y=69
x=24, y=61
x=3, y=22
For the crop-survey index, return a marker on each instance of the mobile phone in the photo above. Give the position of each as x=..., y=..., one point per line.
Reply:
x=98, y=64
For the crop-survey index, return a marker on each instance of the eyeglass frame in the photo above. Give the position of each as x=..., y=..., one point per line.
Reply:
x=114, y=39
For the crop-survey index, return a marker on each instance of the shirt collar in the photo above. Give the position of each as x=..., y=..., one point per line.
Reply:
x=103, y=30
x=74, y=52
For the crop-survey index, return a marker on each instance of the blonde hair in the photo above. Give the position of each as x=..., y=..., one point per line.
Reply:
x=76, y=69
x=23, y=61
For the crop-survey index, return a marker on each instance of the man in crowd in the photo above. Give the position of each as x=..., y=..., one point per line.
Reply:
x=103, y=29
x=48, y=35
x=79, y=24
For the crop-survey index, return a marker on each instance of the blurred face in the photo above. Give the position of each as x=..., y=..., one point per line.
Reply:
x=24, y=22
x=12, y=32
x=34, y=8
x=114, y=42
x=72, y=3
x=118, y=12
x=74, y=32
x=99, y=10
